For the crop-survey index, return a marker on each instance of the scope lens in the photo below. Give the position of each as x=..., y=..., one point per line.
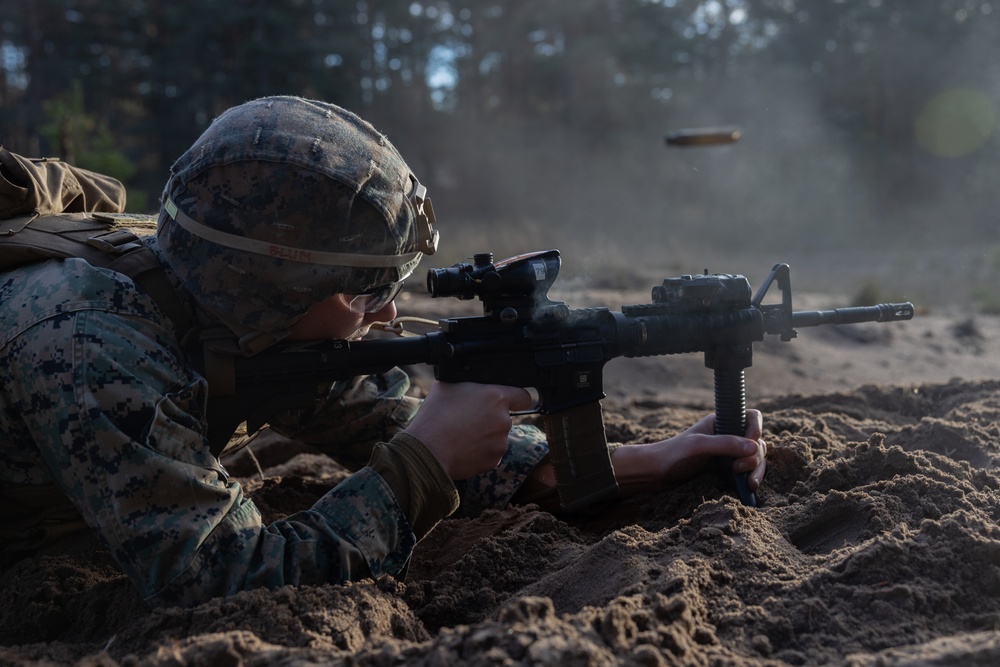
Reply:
x=452, y=281
x=432, y=281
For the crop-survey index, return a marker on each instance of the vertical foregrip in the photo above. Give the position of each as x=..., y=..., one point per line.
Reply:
x=731, y=419
x=579, y=453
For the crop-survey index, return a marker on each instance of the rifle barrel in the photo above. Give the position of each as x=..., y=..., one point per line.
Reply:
x=883, y=312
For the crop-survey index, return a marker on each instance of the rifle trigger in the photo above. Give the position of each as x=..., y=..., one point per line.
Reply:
x=536, y=401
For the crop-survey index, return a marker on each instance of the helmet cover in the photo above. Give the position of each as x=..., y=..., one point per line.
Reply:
x=283, y=202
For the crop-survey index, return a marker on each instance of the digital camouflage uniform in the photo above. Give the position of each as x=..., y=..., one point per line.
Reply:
x=100, y=406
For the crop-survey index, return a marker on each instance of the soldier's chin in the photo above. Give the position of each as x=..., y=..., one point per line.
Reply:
x=359, y=334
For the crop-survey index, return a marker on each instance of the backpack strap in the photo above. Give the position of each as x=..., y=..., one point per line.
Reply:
x=107, y=240
x=141, y=265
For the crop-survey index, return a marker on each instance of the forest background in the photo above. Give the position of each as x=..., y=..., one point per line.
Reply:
x=868, y=156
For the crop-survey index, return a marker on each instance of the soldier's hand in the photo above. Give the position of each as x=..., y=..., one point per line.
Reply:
x=684, y=455
x=649, y=466
x=465, y=425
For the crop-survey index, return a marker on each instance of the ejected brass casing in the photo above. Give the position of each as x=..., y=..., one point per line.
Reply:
x=703, y=136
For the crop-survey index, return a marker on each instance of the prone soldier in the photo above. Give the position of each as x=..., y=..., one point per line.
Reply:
x=288, y=219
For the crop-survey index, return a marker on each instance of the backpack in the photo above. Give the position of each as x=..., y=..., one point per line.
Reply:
x=49, y=209
x=52, y=210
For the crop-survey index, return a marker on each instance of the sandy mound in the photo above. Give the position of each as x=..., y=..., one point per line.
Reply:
x=877, y=543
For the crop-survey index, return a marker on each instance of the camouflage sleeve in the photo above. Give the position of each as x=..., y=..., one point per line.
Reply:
x=526, y=448
x=118, y=421
x=354, y=416
x=357, y=415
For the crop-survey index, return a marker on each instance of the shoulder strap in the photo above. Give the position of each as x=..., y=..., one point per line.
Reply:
x=141, y=265
x=107, y=240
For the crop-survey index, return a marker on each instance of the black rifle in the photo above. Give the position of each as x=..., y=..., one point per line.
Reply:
x=524, y=339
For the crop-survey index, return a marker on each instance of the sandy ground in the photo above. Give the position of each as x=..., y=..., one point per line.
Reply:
x=877, y=541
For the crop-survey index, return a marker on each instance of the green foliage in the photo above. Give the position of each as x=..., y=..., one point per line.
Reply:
x=82, y=139
x=551, y=110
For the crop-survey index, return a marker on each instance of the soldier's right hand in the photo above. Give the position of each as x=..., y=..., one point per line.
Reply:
x=465, y=425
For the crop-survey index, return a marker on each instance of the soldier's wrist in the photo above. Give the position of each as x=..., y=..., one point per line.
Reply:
x=421, y=486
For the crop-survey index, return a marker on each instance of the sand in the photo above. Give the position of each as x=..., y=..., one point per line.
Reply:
x=877, y=541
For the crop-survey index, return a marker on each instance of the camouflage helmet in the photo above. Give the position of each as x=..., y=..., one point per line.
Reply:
x=283, y=202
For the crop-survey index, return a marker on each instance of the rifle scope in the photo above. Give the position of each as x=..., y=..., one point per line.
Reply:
x=527, y=277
